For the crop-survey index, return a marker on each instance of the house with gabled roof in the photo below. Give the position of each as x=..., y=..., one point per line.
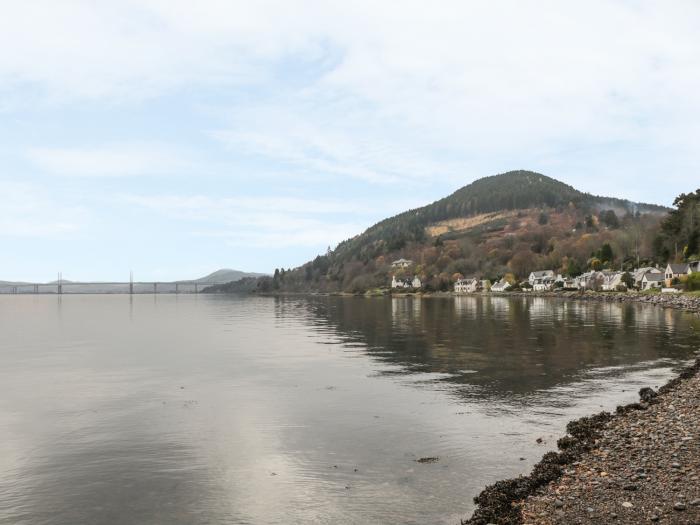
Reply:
x=591, y=280
x=540, y=275
x=541, y=280
x=402, y=282
x=500, y=286
x=676, y=271
x=467, y=285
x=638, y=274
x=652, y=280
x=402, y=263
x=612, y=281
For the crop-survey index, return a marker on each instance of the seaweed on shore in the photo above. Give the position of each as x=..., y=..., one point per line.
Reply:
x=498, y=504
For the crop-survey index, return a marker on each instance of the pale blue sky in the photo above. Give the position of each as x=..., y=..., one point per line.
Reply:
x=175, y=138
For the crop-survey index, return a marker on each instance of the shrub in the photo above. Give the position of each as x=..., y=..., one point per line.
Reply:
x=692, y=283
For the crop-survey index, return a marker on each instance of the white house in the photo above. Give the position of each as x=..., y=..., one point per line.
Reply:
x=542, y=280
x=467, y=285
x=405, y=283
x=540, y=277
x=612, y=280
x=570, y=283
x=676, y=271
x=652, y=280
x=639, y=273
x=591, y=281
x=402, y=263
x=501, y=286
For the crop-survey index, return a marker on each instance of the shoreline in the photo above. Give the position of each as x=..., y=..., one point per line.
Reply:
x=681, y=301
x=584, y=453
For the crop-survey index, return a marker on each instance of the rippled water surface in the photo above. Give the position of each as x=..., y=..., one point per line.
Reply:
x=212, y=409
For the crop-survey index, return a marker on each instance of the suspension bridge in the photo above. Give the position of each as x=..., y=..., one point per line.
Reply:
x=61, y=286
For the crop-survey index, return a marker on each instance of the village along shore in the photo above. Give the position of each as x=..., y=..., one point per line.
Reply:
x=681, y=301
x=638, y=465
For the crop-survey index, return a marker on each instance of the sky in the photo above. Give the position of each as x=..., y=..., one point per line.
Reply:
x=173, y=138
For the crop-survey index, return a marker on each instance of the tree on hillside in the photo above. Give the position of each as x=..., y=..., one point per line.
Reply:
x=522, y=263
x=609, y=218
x=574, y=267
x=679, y=235
x=606, y=253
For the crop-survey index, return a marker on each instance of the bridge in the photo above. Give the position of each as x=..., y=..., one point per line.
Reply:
x=61, y=286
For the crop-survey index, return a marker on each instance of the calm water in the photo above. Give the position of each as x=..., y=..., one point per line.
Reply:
x=210, y=409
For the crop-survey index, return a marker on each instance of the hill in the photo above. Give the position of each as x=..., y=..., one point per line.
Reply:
x=515, y=190
x=224, y=275
x=514, y=223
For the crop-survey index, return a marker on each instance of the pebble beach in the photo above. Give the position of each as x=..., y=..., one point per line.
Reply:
x=638, y=465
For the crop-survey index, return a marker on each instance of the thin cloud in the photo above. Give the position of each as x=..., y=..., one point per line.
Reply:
x=260, y=221
x=112, y=161
x=29, y=211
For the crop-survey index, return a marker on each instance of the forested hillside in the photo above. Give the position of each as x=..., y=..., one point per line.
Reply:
x=680, y=231
x=511, y=223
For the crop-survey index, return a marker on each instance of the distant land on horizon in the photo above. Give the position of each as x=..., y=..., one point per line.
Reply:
x=222, y=275
x=512, y=223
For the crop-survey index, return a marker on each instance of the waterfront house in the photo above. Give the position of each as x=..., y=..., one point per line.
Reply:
x=467, y=285
x=542, y=280
x=402, y=263
x=580, y=280
x=501, y=286
x=540, y=277
x=676, y=271
x=652, y=280
x=401, y=282
x=570, y=283
x=591, y=281
x=612, y=281
x=639, y=273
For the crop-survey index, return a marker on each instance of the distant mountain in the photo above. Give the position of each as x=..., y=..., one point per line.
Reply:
x=219, y=276
x=224, y=275
x=511, y=223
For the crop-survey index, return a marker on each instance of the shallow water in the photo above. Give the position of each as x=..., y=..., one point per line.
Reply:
x=214, y=409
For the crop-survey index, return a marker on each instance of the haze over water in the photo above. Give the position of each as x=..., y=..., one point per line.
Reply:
x=218, y=409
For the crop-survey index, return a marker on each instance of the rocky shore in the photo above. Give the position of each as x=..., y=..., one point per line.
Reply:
x=639, y=465
x=679, y=301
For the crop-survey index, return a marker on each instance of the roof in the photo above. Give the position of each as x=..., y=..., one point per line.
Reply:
x=678, y=268
x=655, y=277
x=543, y=273
x=639, y=272
x=402, y=260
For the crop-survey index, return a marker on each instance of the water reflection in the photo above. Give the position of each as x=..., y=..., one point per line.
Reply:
x=515, y=345
x=216, y=409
